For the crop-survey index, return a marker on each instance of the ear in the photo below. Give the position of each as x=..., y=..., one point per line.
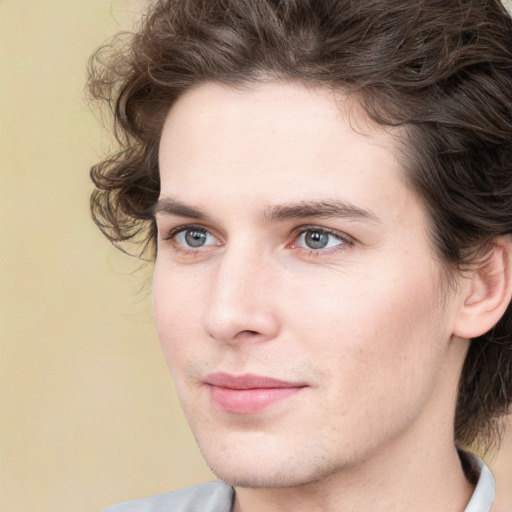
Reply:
x=487, y=292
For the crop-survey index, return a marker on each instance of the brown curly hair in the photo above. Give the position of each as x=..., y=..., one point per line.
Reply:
x=442, y=69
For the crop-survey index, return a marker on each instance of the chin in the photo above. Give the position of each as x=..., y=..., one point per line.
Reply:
x=240, y=468
x=255, y=478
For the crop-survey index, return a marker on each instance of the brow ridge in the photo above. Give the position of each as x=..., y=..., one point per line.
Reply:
x=171, y=206
x=317, y=209
x=276, y=213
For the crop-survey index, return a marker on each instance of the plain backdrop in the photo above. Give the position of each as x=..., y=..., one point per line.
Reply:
x=88, y=412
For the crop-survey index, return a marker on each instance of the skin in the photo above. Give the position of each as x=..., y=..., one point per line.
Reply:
x=366, y=324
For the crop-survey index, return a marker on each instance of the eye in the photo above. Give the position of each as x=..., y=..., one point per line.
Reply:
x=318, y=239
x=194, y=238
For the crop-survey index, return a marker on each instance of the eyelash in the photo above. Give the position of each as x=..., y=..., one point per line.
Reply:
x=344, y=239
x=170, y=237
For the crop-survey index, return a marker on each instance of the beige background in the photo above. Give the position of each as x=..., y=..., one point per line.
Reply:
x=88, y=414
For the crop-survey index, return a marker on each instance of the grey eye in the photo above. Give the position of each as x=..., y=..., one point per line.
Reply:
x=195, y=237
x=316, y=239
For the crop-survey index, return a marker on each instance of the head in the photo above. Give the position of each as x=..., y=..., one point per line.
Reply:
x=423, y=89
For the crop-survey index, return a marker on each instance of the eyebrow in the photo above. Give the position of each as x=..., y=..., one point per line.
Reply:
x=317, y=209
x=276, y=213
x=171, y=206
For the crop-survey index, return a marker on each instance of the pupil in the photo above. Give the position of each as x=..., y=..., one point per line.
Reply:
x=316, y=239
x=195, y=237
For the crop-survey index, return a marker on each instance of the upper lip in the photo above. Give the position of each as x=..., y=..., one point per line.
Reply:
x=248, y=381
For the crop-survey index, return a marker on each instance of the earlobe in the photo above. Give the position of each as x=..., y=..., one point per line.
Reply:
x=488, y=291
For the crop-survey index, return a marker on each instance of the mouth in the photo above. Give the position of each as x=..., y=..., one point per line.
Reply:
x=248, y=394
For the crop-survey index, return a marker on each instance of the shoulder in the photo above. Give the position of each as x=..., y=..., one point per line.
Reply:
x=210, y=497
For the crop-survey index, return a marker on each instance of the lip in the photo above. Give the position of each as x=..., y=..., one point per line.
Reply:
x=247, y=394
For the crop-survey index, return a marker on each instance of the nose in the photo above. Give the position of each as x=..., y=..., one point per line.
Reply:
x=241, y=306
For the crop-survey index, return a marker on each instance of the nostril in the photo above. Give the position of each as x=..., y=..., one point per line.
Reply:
x=249, y=332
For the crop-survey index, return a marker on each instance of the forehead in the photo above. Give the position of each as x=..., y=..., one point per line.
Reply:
x=273, y=136
x=239, y=151
x=261, y=111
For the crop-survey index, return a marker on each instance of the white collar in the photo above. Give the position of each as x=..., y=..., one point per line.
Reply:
x=485, y=490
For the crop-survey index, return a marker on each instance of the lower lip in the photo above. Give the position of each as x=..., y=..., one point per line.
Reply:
x=247, y=401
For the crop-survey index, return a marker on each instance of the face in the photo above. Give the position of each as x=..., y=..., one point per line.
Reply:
x=299, y=305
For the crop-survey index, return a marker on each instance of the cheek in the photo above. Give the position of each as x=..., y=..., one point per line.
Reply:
x=384, y=334
x=177, y=313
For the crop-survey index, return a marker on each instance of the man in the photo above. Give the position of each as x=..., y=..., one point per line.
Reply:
x=326, y=189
